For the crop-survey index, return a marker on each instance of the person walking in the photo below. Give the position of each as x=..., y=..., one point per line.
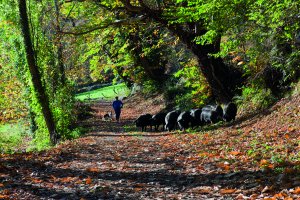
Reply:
x=117, y=105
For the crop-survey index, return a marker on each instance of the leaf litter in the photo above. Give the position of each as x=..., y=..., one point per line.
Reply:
x=252, y=158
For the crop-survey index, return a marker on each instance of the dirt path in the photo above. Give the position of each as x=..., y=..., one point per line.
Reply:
x=115, y=161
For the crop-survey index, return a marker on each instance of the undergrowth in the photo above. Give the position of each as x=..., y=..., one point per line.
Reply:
x=12, y=135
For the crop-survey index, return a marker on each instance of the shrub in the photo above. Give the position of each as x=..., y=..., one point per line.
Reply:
x=254, y=98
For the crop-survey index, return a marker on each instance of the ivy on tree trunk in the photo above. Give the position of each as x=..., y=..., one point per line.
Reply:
x=35, y=74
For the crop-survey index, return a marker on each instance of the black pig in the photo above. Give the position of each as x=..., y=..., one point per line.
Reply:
x=184, y=120
x=196, y=117
x=171, y=120
x=216, y=116
x=143, y=121
x=230, y=111
x=209, y=116
x=158, y=119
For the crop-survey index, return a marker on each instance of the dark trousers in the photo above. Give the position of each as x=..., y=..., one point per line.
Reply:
x=118, y=113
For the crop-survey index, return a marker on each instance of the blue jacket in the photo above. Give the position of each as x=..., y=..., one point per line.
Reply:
x=117, y=105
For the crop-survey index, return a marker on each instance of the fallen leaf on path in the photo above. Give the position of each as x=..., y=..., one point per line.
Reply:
x=138, y=189
x=93, y=169
x=66, y=179
x=264, y=162
x=235, y=153
x=88, y=181
x=4, y=196
x=203, y=190
x=35, y=180
x=297, y=190
x=227, y=191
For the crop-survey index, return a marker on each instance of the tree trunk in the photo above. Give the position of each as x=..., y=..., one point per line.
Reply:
x=35, y=74
x=59, y=45
x=222, y=79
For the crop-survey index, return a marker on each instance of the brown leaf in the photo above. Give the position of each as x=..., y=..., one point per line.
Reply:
x=88, y=181
x=202, y=190
x=66, y=179
x=264, y=162
x=297, y=190
x=4, y=196
x=1, y=185
x=227, y=191
x=6, y=192
x=279, y=195
x=235, y=153
x=267, y=189
x=36, y=180
x=138, y=189
x=286, y=136
x=93, y=169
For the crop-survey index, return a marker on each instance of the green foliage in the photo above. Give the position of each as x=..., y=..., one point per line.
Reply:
x=61, y=95
x=262, y=33
x=296, y=88
x=195, y=84
x=62, y=108
x=12, y=135
x=12, y=59
x=150, y=87
x=254, y=98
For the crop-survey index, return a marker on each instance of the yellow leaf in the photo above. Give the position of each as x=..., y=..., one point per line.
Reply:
x=240, y=63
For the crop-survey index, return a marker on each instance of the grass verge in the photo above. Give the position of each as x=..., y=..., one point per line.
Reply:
x=11, y=136
x=105, y=93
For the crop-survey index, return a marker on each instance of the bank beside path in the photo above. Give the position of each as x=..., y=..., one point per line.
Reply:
x=117, y=161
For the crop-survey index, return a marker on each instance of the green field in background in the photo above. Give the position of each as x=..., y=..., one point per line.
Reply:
x=105, y=93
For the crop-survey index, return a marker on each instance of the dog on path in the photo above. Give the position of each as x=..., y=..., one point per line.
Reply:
x=107, y=116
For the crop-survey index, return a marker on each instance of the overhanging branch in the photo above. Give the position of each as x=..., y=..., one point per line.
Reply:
x=103, y=26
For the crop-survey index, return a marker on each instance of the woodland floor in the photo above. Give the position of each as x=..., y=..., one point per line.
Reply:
x=256, y=157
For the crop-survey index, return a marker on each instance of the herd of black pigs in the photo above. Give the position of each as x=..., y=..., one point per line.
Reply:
x=209, y=114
